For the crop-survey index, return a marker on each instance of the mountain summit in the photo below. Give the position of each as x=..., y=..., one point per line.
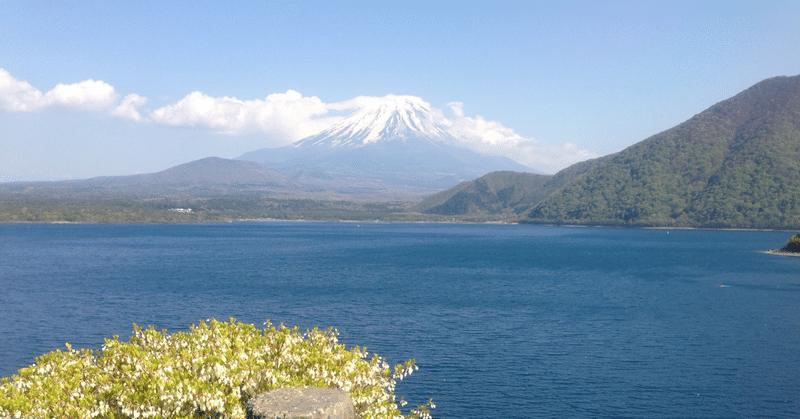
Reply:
x=392, y=142
x=388, y=118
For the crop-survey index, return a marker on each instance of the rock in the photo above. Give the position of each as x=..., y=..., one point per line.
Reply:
x=305, y=403
x=793, y=245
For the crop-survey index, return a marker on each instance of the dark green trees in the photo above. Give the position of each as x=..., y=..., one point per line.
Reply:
x=793, y=245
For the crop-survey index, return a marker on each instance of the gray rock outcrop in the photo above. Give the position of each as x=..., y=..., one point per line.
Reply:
x=305, y=403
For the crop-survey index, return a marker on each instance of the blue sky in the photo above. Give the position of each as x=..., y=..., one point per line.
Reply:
x=114, y=88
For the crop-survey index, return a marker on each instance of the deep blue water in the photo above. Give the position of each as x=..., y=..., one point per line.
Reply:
x=504, y=321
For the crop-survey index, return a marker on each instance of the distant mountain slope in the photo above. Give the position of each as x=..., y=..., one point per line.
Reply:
x=394, y=141
x=215, y=177
x=736, y=164
x=492, y=194
x=500, y=192
x=212, y=172
x=212, y=176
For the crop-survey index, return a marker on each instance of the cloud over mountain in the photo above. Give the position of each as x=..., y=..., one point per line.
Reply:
x=492, y=137
x=288, y=116
x=281, y=118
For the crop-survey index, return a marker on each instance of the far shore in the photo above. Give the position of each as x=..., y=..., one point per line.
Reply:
x=412, y=221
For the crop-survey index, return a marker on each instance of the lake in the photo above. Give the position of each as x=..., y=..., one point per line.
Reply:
x=503, y=320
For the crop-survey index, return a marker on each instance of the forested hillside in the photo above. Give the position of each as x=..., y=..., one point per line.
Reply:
x=733, y=165
x=737, y=164
x=502, y=195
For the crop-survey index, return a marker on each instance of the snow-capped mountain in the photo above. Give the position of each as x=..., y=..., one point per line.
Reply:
x=389, y=118
x=392, y=141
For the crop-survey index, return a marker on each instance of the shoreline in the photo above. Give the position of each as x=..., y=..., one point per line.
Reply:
x=451, y=221
x=780, y=252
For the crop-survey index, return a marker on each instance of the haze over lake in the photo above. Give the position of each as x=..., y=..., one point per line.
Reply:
x=504, y=321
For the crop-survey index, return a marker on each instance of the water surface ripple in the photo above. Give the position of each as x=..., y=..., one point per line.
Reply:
x=504, y=321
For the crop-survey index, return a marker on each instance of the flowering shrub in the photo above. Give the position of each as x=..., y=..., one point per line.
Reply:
x=210, y=371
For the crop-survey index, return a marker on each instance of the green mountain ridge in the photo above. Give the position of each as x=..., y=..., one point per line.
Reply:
x=505, y=192
x=734, y=165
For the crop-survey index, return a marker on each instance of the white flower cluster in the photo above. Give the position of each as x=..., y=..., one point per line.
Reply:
x=210, y=371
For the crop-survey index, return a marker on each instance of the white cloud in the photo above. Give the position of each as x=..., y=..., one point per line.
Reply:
x=288, y=116
x=492, y=137
x=88, y=94
x=545, y=157
x=20, y=96
x=16, y=95
x=127, y=109
x=457, y=108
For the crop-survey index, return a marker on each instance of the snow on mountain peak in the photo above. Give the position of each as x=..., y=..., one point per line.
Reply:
x=382, y=118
